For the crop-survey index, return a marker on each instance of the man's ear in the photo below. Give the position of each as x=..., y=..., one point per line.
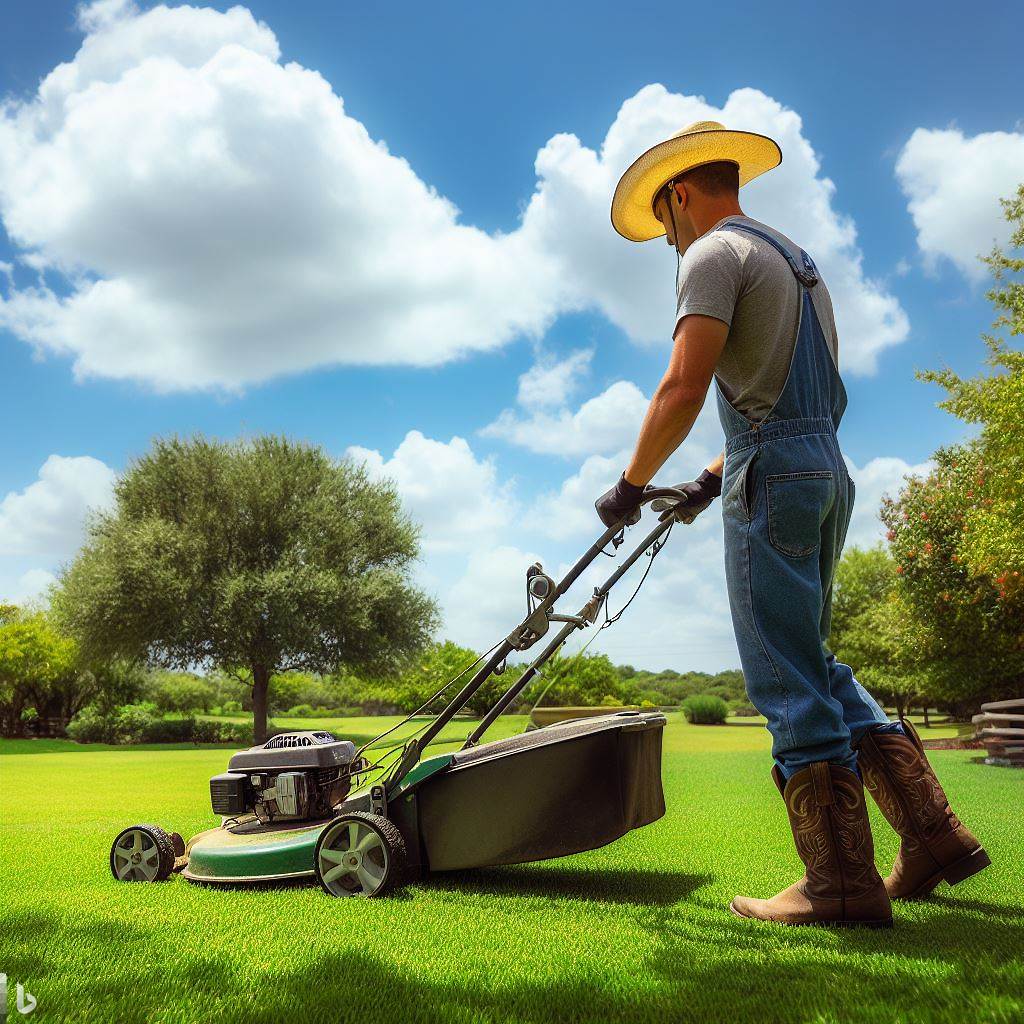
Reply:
x=681, y=196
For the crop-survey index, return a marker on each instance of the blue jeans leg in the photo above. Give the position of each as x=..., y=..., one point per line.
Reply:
x=776, y=603
x=860, y=710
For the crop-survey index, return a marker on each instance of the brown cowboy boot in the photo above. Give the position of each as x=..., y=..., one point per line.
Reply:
x=934, y=845
x=840, y=886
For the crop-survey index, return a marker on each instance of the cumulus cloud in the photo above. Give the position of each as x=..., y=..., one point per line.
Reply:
x=30, y=587
x=489, y=597
x=601, y=424
x=48, y=517
x=246, y=229
x=953, y=184
x=553, y=382
x=456, y=497
x=545, y=423
x=45, y=522
x=252, y=228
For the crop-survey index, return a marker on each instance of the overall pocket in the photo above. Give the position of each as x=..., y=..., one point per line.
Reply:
x=738, y=497
x=797, y=506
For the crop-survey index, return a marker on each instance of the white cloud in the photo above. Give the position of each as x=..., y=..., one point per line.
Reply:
x=880, y=476
x=222, y=220
x=28, y=588
x=456, y=497
x=552, y=383
x=48, y=517
x=953, y=184
x=608, y=422
x=45, y=522
x=250, y=227
x=604, y=423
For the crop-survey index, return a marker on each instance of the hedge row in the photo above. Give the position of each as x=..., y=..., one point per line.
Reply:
x=142, y=723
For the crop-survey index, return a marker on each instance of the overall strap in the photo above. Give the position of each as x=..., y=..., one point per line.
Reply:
x=806, y=275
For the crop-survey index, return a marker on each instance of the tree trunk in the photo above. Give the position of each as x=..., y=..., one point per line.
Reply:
x=260, y=685
x=927, y=724
x=901, y=705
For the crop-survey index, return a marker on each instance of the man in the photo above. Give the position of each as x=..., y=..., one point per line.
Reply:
x=754, y=314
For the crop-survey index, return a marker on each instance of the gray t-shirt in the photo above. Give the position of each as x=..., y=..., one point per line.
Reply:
x=744, y=281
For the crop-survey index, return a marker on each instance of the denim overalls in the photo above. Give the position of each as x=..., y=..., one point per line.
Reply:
x=787, y=499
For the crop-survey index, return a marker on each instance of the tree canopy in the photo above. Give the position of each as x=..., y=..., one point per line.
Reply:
x=258, y=556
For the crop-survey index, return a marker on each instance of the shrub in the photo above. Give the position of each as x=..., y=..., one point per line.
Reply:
x=167, y=730
x=705, y=709
x=90, y=725
x=231, y=707
x=303, y=711
x=222, y=732
x=131, y=722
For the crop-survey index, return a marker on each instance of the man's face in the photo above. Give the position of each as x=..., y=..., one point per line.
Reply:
x=670, y=209
x=662, y=212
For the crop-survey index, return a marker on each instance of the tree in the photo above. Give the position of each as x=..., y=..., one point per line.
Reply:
x=870, y=628
x=585, y=680
x=956, y=535
x=255, y=557
x=993, y=541
x=37, y=670
x=963, y=634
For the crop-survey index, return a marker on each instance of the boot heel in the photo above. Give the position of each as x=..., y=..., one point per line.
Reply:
x=966, y=866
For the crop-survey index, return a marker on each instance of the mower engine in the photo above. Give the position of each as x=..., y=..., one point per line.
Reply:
x=299, y=775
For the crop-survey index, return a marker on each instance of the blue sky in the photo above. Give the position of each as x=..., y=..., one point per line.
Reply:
x=912, y=113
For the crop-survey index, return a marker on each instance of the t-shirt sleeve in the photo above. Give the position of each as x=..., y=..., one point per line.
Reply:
x=709, y=280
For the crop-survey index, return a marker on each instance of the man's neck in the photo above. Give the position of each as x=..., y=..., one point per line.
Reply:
x=712, y=212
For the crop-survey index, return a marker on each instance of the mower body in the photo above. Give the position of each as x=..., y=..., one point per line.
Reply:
x=564, y=789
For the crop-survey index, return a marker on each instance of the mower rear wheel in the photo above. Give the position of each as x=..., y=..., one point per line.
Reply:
x=142, y=853
x=360, y=854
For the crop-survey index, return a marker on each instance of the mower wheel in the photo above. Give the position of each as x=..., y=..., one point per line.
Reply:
x=142, y=853
x=360, y=854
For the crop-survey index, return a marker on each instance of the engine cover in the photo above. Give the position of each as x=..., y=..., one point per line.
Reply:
x=295, y=751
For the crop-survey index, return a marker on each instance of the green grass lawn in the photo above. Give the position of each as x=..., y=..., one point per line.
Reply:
x=638, y=931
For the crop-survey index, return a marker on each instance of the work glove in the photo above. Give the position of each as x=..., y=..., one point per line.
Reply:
x=621, y=502
x=699, y=494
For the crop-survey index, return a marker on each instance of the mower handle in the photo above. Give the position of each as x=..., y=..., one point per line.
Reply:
x=655, y=494
x=499, y=653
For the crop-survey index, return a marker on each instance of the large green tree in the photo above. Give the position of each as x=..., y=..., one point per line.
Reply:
x=958, y=535
x=257, y=557
x=992, y=544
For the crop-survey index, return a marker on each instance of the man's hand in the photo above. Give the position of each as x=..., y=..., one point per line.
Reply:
x=621, y=502
x=699, y=494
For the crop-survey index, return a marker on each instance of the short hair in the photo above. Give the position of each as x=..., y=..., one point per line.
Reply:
x=715, y=179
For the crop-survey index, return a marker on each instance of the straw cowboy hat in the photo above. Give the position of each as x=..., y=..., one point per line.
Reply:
x=702, y=142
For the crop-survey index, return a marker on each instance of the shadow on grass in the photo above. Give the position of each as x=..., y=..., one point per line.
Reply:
x=640, y=887
x=949, y=966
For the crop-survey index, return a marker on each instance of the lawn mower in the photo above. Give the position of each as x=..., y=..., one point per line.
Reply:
x=305, y=804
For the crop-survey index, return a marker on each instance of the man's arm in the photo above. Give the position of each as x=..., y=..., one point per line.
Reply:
x=698, y=343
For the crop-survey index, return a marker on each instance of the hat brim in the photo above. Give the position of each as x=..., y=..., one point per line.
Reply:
x=633, y=203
